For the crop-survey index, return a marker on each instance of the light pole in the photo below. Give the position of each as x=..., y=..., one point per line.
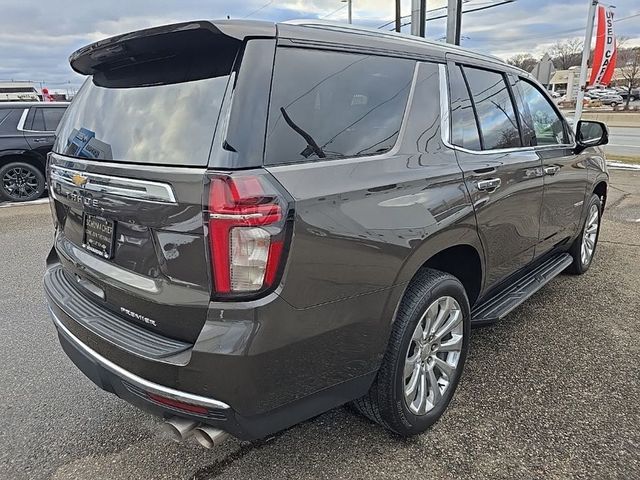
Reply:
x=349, y=10
x=454, y=21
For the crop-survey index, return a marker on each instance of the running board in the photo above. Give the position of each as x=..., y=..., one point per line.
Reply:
x=498, y=306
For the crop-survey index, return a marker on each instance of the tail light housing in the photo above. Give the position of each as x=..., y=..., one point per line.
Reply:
x=248, y=231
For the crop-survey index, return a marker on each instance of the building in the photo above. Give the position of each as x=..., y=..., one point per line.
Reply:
x=18, y=92
x=561, y=79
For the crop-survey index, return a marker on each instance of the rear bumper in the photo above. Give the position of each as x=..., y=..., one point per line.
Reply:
x=253, y=377
x=134, y=390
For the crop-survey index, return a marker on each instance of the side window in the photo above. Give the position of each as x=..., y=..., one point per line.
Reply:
x=464, y=129
x=496, y=115
x=547, y=124
x=9, y=119
x=38, y=121
x=327, y=105
x=526, y=122
x=52, y=117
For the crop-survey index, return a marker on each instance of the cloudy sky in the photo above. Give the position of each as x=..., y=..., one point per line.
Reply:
x=36, y=37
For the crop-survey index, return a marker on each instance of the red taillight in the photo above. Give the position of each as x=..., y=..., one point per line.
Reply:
x=246, y=233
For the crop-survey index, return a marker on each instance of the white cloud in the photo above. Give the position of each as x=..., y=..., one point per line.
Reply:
x=36, y=38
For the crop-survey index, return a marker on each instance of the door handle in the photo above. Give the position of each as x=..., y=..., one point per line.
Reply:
x=552, y=170
x=489, y=185
x=39, y=140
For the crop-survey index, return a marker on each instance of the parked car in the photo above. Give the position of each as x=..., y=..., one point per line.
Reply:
x=611, y=99
x=27, y=133
x=633, y=95
x=361, y=201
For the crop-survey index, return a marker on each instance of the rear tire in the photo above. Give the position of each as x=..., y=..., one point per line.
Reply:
x=425, y=356
x=584, y=247
x=21, y=182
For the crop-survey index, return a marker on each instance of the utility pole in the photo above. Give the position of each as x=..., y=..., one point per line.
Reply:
x=586, y=51
x=454, y=21
x=349, y=10
x=415, y=17
x=398, y=16
x=422, y=31
x=418, y=17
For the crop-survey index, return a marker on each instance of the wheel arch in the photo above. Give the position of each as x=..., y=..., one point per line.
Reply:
x=25, y=156
x=455, y=251
x=600, y=189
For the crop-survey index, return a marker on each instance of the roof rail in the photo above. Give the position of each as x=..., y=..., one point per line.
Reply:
x=329, y=25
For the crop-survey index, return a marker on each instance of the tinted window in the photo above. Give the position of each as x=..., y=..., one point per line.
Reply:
x=52, y=118
x=38, y=121
x=547, y=124
x=526, y=122
x=498, y=123
x=464, y=129
x=9, y=119
x=334, y=105
x=171, y=124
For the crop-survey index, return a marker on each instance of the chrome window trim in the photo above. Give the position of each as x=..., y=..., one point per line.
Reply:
x=144, y=190
x=23, y=118
x=445, y=125
x=134, y=379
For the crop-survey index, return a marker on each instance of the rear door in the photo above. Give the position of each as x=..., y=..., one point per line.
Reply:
x=502, y=174
x=128, y=177
x=40, y=125
x=565, y=173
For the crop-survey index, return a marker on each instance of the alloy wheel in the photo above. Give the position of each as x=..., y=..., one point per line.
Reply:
x=20, y=183
x=590, y=234
x=433, y=355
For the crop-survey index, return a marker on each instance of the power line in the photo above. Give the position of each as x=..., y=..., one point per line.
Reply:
x=486, y=7
x=428, y=11
x=258, y=9
x=335, y=11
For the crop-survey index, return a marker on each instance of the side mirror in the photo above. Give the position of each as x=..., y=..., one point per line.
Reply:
x=591, y=134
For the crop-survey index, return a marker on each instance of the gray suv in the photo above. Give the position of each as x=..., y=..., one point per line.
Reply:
x=256, y=223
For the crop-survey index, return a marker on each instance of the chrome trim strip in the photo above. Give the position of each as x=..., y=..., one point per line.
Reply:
x=133, y=379
x=445, y=122
x=143, y=190
x=445, y=125
x=230, y=216
x=23, y=118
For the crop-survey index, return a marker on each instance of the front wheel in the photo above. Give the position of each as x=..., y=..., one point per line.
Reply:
x=425, y=357
x=584, y=247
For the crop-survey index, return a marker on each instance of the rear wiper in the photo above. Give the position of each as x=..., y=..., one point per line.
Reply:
x=312, y=146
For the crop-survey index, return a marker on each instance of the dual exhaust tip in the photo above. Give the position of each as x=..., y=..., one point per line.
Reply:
x=179, y=429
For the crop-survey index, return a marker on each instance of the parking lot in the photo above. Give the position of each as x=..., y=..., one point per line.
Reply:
x=550, y=392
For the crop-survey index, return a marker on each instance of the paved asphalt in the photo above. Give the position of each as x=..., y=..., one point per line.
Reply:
x=550, y=392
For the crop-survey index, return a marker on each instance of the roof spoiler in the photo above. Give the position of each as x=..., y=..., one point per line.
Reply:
x=165, y=42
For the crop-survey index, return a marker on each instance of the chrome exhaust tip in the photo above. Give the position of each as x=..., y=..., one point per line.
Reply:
x=178, y=429
x=209, y=437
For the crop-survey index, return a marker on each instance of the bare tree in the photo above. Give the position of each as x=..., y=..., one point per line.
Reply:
x=525, y=61
x=567, y=53
x=629, y=64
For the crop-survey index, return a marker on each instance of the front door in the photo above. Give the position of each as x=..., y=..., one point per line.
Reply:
x=565, y=173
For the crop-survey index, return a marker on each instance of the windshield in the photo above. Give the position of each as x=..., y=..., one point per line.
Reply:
x=169, y=124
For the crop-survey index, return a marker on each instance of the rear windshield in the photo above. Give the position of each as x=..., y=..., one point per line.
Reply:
x=168, y=124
